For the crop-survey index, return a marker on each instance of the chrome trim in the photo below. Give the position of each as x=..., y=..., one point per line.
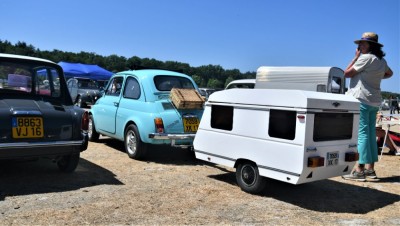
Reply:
x=311, y=149
x=166, y=136
x=26, y=113
x=40, y=144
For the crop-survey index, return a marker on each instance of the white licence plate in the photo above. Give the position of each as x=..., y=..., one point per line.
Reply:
x=332, y=158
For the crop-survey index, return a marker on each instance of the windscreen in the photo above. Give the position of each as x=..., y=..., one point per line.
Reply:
x=167, y=82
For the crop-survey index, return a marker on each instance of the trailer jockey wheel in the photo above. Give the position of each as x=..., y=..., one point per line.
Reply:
x=248, y=178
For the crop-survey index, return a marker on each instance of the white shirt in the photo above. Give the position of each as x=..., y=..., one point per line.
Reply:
x=366, y=84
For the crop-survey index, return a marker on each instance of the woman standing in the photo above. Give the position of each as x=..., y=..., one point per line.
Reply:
x=366, y=71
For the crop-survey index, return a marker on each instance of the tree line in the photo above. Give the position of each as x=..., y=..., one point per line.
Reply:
x=212, y=76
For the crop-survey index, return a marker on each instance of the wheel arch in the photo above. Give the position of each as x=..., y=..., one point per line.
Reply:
x=144, y=126
x=242, y=160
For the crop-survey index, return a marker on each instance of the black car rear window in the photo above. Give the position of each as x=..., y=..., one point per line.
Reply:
x=167, y=82
x=30, y=78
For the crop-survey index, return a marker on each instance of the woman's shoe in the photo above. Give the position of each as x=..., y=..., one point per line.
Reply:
x=356, y=176
x=370, y=175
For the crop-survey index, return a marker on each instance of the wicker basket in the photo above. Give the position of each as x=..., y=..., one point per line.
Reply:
x=186, y=99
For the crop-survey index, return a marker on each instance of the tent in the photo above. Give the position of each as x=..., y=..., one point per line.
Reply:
x=85, y=71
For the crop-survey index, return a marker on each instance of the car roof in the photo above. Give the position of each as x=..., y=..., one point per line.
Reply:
x=80, y=78
x=151, y=72
x=5, y=55
x=243, y=81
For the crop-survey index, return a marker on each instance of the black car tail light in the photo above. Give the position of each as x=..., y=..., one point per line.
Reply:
x=85, y=121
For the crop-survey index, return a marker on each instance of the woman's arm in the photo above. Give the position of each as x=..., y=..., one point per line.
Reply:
x=350, y=71
x=388, y=73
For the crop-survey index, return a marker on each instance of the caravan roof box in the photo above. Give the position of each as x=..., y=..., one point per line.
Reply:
x=320, y=79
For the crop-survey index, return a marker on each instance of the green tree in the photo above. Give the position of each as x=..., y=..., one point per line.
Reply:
x=214, y=83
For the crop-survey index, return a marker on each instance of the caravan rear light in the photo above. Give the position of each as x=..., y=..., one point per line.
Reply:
x=316, y=161
x=158, y=122
x=351, y=157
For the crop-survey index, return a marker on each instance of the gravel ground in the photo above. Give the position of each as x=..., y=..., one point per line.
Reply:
x=171, y=187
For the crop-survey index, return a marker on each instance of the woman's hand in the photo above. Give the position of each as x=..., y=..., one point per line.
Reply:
x=358, y=53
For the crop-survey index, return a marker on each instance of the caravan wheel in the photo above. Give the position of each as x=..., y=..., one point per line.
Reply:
x=248, y=178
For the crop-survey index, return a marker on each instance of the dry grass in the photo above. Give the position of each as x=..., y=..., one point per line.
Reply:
x=170, y=187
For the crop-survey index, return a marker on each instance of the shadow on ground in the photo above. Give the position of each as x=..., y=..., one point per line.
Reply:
x=163, y=154
x=326, y=195
x=42, y=176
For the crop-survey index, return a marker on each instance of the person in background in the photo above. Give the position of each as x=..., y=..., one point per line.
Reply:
x=394, y=105
x=366, y=71
x=381, y=133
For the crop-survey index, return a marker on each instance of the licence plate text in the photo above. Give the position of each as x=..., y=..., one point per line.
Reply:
x=332, y=158
x=190, y=124
x=27, y=127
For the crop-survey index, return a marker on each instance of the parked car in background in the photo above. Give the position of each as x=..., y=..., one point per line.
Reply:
x=136, y=108
x=242, y=83
x=102, y=84
x=206, y=92
x=38, y=116
x=83, y=91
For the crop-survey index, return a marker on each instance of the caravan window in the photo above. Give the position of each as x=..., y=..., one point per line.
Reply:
x=222, y=117
x=333, y=126
x=282, y=124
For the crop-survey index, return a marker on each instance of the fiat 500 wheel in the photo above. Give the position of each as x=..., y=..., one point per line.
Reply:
x=93, y=135
x=134, y=146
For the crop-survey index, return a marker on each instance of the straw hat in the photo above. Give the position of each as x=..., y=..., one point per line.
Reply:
x=369, y=37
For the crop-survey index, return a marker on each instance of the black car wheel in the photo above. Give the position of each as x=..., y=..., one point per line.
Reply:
x=248, y=178
x=134, y=146
x=93, y=135
x=68, y=163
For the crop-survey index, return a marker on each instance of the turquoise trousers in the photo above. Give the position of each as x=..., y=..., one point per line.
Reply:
x=367, y=147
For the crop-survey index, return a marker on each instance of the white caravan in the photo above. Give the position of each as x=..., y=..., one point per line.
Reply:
x=320, y=79
x=293, y=136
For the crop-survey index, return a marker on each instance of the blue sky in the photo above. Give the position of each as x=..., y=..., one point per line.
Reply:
x=232, y=33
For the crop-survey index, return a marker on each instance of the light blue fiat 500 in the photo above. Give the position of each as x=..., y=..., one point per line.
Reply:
x=136, y=109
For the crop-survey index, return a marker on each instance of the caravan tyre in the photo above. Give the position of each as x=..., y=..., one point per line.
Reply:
x=248, y=178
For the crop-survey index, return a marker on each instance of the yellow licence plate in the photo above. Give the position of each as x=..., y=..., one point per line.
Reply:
x=27, y=127
x=190, y=124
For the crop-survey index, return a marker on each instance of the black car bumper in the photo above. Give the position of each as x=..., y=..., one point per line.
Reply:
x=41, y=149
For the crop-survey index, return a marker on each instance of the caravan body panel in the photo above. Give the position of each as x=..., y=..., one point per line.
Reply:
x=278, y=132
x=321, y=79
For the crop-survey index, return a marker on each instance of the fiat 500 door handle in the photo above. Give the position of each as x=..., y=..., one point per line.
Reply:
x=116, y=104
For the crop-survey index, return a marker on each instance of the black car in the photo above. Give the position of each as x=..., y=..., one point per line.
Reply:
x=84, y=91
x=38, y=116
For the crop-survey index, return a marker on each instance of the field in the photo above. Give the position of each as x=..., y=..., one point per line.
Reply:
x=171, y=187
